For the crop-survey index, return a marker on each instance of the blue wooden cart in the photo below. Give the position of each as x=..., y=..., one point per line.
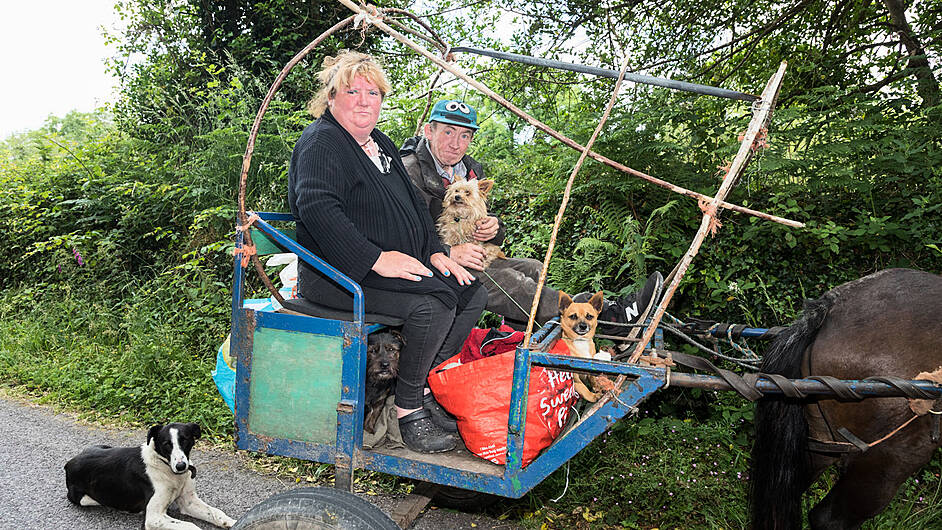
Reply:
x=299, y=393
x=299, y=382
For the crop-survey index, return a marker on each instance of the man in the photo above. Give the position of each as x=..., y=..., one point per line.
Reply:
x=434, y=161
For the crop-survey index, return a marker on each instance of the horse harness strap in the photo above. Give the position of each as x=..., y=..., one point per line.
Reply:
x=743, y=385
x=838, y=448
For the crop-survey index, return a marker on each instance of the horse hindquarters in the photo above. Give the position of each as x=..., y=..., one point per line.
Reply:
x=887, y=323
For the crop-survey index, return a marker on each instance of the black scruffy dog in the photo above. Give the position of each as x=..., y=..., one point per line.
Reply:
x=382, y=368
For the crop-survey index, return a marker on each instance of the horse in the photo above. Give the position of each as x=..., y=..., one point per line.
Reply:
x=886, y=324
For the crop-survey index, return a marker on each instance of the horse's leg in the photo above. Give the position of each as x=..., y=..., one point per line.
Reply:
x=870, y=480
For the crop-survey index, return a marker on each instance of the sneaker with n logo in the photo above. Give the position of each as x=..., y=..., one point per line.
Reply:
x=632, y=308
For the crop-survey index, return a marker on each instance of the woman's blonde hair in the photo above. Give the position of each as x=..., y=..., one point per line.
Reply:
x=339, y=71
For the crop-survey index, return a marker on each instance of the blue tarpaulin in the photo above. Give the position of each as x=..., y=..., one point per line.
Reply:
x=224, y=375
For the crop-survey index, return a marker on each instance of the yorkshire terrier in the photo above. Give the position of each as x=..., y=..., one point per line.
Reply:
x=464, y=204
x=382, y=368
x=578, y=322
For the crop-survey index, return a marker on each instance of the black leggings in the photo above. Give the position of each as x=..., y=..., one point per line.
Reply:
x=432, y=331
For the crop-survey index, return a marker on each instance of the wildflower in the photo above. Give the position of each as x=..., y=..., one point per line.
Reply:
x=78, y=257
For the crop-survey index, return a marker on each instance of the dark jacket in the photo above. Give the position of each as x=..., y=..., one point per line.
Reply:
x=348, y=212
x=421, y=167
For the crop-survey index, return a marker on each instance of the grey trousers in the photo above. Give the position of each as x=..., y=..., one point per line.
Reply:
x=514, y=280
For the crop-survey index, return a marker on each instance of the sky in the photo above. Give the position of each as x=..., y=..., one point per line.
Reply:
x=52, y=60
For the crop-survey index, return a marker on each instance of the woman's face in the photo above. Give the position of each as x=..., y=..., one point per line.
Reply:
x=357, y=106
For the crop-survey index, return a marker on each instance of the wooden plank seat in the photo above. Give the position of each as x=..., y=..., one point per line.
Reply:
x=264, y=246
x=307, y=307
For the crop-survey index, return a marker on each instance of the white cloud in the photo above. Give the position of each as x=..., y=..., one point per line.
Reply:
x=52, y=60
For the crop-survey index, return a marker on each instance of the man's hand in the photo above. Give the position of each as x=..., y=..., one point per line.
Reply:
x=486, y=228
x=395, y=264
x=468, y=255
x=446, y=266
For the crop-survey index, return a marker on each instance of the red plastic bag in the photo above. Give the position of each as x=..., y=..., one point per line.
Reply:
x=478, y=395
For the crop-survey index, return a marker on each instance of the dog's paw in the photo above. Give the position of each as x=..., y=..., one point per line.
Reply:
x=603, y=355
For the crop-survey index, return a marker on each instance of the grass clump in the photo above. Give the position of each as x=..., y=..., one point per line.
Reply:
x=121, y=360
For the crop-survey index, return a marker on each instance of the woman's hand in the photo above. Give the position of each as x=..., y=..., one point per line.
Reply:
x=468, y=255
x=395, y=264
x=447, y=266
x=486, y=228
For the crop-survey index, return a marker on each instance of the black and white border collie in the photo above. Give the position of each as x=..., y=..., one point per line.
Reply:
x=146, y=478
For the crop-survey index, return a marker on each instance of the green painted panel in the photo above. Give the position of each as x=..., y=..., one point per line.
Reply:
x=265, y=245
x=295, y=385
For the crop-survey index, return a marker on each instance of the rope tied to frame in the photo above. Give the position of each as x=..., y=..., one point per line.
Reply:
x=248, y=249
x=367, y=17
x=761, y=141
x=248, y=222
x=709, y=209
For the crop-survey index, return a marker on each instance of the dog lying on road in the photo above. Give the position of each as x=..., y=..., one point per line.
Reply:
x=147, y=478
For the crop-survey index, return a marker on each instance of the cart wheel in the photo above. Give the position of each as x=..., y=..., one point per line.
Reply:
x=314, y=509
x=463, y=500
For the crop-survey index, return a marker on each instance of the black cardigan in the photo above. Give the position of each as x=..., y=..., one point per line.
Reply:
x=348, y=212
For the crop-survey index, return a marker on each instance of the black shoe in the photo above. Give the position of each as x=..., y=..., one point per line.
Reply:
x=421, y=435
x=632, y=308
x=440, y=416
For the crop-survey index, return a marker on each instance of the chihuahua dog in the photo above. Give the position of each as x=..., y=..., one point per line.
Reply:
x=464, y=204
x=382, y=368
x=578, y=322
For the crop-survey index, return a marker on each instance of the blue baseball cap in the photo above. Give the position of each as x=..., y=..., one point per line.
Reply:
x=454, y=112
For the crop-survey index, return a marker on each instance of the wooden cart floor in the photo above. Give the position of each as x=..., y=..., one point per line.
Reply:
x=460, y=459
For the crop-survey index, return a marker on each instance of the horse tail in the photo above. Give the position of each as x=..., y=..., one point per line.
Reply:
x=781, y=469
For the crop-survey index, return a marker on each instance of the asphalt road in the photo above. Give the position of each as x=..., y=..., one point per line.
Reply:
x=35, y=442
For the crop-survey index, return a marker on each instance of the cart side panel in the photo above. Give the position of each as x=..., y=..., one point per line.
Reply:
x=295, y=385
x=288, y=383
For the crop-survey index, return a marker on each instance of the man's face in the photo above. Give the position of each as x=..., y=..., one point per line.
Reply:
x=448, y=143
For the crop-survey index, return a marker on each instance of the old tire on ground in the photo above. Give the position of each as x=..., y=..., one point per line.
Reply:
x=463, y=500
x=314, y=509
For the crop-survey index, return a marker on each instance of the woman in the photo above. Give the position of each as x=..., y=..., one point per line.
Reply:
x=356, y=207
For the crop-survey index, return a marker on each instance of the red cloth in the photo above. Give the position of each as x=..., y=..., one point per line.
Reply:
x=483, y=343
